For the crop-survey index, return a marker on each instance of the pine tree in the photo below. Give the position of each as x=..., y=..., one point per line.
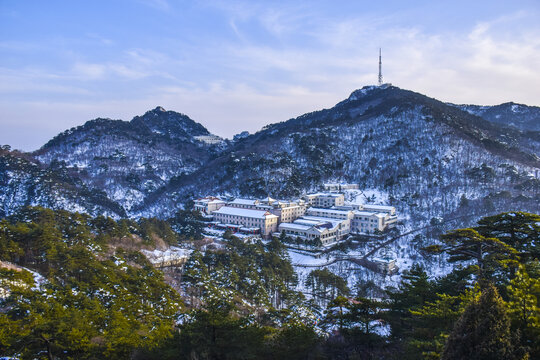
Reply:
x=414, y=290
x=524, y=311
x=465, y=245
x=520, y=230
x=483, y=331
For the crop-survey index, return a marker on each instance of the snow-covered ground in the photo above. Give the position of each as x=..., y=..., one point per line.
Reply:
x=168, y=256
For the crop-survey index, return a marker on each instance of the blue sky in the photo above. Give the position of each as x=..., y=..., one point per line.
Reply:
x=239, y=65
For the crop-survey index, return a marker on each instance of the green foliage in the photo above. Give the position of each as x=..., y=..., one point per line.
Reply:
x=519, y=230
x=482, y=331
x=414, y=291
x=101, y=298
x=188, y=224
x=326, y=285
x=467, y=319
x=261, y=273
x=356, y=321
x=94, y=301
x=465, y=245
x=432, y=323
x=524, y=310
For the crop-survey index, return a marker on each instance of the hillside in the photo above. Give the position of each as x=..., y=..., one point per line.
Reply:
x=522, y=117
x=421, y=154
x=129, y=160
x=24, y=181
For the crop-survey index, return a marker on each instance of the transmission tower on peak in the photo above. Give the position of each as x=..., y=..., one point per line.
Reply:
x=380, y=68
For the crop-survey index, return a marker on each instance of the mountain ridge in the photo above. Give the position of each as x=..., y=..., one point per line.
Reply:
x=152, y=164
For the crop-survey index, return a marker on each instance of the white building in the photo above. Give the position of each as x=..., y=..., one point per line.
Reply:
x=287, y=211
x=247, y=218
x=330, y=213
x=343, y=225
x=385, y=265
x=379, y=208
x=208, y=204
x=365, y=222
x=209, y=139
x=243, y=203
x=325, y=199
x=344, y=216
x=371, y=217
x=340, y=187
x=325, y=230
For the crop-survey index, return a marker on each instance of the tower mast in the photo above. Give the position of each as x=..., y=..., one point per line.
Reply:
x=380, y=68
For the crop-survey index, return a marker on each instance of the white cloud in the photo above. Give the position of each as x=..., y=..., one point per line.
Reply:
x=311, y=62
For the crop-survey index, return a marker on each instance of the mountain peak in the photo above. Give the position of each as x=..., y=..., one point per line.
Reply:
x=368, y=90
x=169, y=123
x=158, y=110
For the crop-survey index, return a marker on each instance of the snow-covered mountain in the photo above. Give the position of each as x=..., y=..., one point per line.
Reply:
x=24, y=181
x=428, y=158
x=424, y=154
x=129, y=160
x=523, y=117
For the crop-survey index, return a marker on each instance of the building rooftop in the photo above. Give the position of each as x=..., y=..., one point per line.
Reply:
x=378, y=207
x=363, y=213
x=244, y=202
x=322, y=220
x=256, y=214
x=325, y=194
x=294, y=226
x=329, y=211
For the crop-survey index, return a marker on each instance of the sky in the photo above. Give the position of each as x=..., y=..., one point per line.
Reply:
x=239, y=65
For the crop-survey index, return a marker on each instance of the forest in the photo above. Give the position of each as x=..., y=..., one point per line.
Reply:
x=74, y=286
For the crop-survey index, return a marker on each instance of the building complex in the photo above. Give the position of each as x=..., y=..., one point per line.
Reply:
x=322, y=216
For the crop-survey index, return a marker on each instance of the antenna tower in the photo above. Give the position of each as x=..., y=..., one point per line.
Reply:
x=380, y=68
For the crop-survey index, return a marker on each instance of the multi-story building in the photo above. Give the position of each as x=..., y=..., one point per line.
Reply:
x=287, y=211
x=209, y=139
x=248, y=218
x=330, y=213
x=365, y=222
x=339, y=187
x=244, y=203
x=345, y=216
x=379, y=208
x=325, y=200
x=326, y=230
x=364, y=217
x=208, y=204
x=263, y=216
x=343, y=225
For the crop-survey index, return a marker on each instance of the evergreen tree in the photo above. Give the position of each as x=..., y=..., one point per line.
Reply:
x=524, y=311
x=414, y=291
x=465, y=245
x=483, y=331
x=520, y=230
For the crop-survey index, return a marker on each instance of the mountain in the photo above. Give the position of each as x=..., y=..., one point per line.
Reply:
x=24, y=181
x=422, y=154
x=522, y=117
x=129, y=160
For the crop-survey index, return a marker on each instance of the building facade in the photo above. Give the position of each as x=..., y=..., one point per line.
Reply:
x=248, y=218
x=325, y=200
x=310, y=229
x=208, y=205
x=340, y=187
